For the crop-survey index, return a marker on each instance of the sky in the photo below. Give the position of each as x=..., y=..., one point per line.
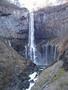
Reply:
x=36, y=4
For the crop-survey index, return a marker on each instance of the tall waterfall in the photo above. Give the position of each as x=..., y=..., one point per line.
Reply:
x=49, y=51
x=31, y=43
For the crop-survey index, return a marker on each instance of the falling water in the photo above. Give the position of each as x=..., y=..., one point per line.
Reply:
x=55, y=53
x=31, y=44
x=46, y=54
x=9, y=43
x=31, y=52
x=26, y=51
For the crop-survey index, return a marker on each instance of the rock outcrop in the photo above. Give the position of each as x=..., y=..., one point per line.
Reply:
x=14, y=69
x=14, y=23
x=52, y=22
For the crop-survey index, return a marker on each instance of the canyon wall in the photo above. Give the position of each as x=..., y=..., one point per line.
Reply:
x=14, y=25
x=12, y=21
x=52, y=22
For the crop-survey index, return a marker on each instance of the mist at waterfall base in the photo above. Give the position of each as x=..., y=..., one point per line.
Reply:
x=47, y=53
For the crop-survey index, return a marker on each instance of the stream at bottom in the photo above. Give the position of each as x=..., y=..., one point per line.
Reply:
x=34, y=76
x=32, y=80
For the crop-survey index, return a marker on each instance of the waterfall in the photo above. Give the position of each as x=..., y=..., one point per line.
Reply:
x=46, y=63
x=9, y=43
x=48, y=54
x=55, y=53
x=26, y=51
x=31, y=43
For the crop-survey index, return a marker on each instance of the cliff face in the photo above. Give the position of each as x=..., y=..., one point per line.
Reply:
x=13, y=20
x=14, y=23
x=52, y=22
x=55, y=24
x=14, y=69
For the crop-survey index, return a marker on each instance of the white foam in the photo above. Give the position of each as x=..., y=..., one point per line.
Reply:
x=34, y=78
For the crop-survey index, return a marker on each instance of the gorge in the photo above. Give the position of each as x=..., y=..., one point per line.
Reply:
x=33, y=46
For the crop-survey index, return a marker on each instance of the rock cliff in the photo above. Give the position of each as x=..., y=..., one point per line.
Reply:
x=14, y=69
x=52, y=22
x=14, y=23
